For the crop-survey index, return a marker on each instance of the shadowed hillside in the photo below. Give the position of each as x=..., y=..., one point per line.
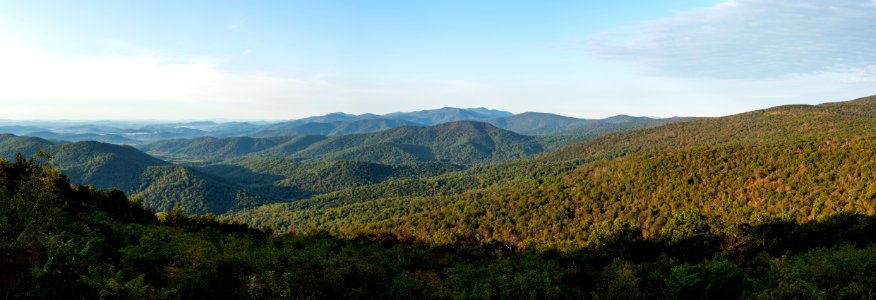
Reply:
x=461, y=143
x=160, y=185
x=66, y=241
x=799, y=162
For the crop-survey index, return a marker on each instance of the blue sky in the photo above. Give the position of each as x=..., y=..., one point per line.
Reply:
x=185, y=60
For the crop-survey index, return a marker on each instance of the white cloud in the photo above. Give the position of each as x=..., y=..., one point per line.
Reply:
x=751, y=39
x=30, y=76
x=40, y=85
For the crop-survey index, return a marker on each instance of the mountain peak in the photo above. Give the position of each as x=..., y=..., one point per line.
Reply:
x=448, y=114
x=339, y=113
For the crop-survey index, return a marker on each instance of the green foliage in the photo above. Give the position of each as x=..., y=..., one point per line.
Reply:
x=791, y=122
x=160, y=185
x=213, y=149
x=287, y=180
x=796, y=163
x=65, y=241
x=333, y=128
x=166, y=187
x=459, y=143
x=710, y=279
x=11, y=145
x=831, y=273
x=777, y=203
x=729, y=185
x=103, y=165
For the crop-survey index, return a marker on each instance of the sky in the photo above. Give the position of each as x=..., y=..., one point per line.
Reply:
x=276, y=60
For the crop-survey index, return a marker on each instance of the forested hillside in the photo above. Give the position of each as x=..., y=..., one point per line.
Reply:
x=534, y=123
x=777, y=123
x=799, y=163
x=777, y=203
x=160, y=185
x=11, y=145
x=220, y=174
x=334, y=128
x=157, y=135
x=343, y=124
x=295, y=180
x=443, y=149
x=461, y=143
x=212, y=149
x=448, y=114
x=63, y=241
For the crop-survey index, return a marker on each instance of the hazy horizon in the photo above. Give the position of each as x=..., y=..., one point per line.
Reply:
x=223, y=120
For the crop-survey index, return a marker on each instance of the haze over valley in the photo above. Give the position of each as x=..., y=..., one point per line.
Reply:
x=438, y=150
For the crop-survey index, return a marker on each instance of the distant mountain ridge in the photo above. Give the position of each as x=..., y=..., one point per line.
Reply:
x=232, y=184
x=461, y=142
x=333, y=127
x=529, y=123
x=332, y=124
x=448, y=114
x=802, y=162
x=342, y=123
x=221, y=163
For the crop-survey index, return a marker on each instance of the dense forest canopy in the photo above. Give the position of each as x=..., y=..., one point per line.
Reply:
x=69, y=241
x=774, y=203
x=798, y=162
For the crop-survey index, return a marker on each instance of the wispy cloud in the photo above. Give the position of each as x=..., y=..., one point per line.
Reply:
x=29, y=75
x=136, y=85
x=752, y=39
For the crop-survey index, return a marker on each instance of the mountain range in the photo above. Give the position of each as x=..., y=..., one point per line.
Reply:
x=452, y=160
x=462, y=142
x=772, y=203
x=220, y=174
x=159, y=184
x=333, y=124
x=804, y=162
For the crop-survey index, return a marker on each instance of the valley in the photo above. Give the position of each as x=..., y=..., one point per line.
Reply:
x=340, y=149
x=701, y=192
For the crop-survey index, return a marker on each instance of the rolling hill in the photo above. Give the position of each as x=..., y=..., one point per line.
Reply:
x=232, y=184
x=210, y=148
x=410, y=164
x=773, y=203
x=800, y=162
x=103, y=165
x=448, y=114
x=333, y=128
x=334, y=124
x=297, y=180
x=461, y=143
x=62, y=241
x=20, y=129
x=534, y=123
x=11, y=145
x=841, y=119
x=343, y=124
x=160, y=185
